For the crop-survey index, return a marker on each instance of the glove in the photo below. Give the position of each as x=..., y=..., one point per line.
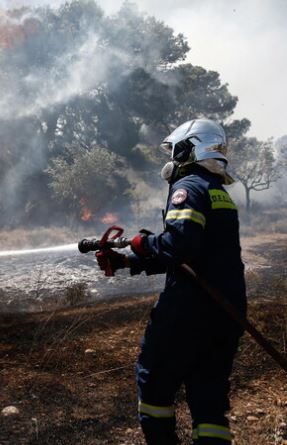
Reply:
x=139, y=244
x=110, y=261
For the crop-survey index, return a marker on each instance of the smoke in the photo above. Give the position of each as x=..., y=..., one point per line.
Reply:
x=42, y=67
x=26, y=161
x=50, y=58
x=30, y=87
x=243, y=40
x=17, y=4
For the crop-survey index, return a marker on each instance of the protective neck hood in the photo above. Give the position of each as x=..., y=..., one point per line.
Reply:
x=171, y=171
x=218, y=167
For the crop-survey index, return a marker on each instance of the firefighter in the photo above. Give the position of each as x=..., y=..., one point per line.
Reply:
x=189, y=339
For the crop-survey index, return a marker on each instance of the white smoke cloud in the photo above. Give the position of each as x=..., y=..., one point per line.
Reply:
x=15, y=4
x=244, y=40
x=73, y=72
x=80, y=72
x=40, y=87
x=38, y=73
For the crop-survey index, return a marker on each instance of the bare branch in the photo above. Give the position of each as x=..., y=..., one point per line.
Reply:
x=255, y=166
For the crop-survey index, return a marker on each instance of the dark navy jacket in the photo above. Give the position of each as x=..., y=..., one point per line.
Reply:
x=202, y=230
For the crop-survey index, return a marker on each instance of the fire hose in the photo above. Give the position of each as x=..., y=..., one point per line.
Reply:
x=119, y=242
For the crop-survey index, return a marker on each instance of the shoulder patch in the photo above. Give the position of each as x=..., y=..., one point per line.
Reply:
x=179, y=196
x=220, y=199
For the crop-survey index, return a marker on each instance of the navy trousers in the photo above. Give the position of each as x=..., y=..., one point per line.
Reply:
x=180, y=349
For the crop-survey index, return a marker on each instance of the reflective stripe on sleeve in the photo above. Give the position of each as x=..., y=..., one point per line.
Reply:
x=215, y=431
x=190, y=214
x=156, y=411
x=194, y=434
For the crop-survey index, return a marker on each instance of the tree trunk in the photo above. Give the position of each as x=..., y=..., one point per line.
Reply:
x=248, y=201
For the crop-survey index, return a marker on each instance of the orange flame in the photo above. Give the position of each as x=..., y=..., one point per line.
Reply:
x=109, y=218
x=86, y=214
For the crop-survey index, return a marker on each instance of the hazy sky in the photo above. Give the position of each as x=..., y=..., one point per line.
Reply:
x=244, y=40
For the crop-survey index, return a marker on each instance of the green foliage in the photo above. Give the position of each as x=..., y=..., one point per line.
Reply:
x=144, y=96
x=148, y=41
x=79, y=80
x=236, y=129
x=87, y=177
x=200, y=93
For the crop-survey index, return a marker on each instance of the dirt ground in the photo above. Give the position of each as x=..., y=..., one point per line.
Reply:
x=70, y=373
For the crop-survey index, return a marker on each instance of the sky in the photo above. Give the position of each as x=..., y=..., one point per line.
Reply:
x=244, y=40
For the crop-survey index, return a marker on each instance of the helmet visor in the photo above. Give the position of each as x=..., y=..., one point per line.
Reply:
x=182, y=150
x=178, y=152
x=166, y=147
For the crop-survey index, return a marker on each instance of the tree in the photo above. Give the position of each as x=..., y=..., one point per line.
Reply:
x=280, y=146
x=200, y=93
x=88, y=179
x=193, y=92
x=281, y=149
x=81, y=80
x=236, y=129
x=254, y=165
x=145, y=41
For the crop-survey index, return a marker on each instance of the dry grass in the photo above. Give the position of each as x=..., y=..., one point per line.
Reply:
x=90, y=398
x=263, y=221
x=76, y=294
x=68, y=396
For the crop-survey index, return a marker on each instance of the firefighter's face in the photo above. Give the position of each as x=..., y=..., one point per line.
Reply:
x=179, y=152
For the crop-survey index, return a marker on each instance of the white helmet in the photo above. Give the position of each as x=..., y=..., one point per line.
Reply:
x=200, y=140
x=196, y=140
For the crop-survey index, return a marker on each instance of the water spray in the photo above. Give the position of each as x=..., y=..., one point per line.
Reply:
x=64, y=247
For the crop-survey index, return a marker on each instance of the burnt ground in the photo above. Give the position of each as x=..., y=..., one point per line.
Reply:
x=68, y=396
x=70, y=372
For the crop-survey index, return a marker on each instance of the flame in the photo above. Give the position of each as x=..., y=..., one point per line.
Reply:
x=86, y=214
x=109, y=218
